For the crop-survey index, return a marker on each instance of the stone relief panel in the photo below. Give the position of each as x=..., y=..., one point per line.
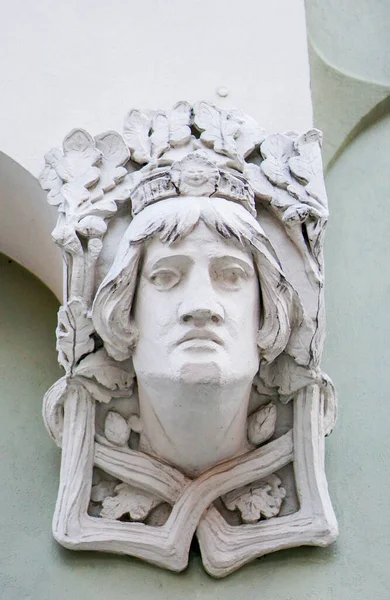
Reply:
x=193, y=401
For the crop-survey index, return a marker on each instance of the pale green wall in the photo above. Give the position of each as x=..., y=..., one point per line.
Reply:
x=349, y=45
x=34, y=567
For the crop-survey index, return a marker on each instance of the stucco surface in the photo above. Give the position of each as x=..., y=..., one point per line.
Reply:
x=82, y=63
x=349, y=50
x=353, y=35
x=33, y=566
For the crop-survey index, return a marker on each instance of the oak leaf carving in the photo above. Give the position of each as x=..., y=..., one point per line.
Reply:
x=250, y=133
x=159, y=133
x=115, y=155
x=262, y=498
x=259, y=182
x=276, y=151
x=74, y=332
x=105, y=377
x=219, y=128
x=149, y=135
x=80, y=157
x=307, y=166
x=136, y=135
x=179, y=124
x=102, y=489
x=50, y=180
x=128, y=501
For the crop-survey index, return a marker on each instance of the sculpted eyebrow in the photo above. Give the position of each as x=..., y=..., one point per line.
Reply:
x=170, y=259
x=228, y=259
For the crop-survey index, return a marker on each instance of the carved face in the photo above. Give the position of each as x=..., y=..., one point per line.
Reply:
x=197, y=310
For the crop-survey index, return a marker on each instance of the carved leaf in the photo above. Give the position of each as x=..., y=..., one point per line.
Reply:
x=106, y=371
x=136, y=135
x=74, y=332
x=80, y=156
x=287, y=376
x=97, y=391
x=77, y=168
x=263, y=498
x=50, y=180
x=250, y=134
x=219, y=128
x=307, y=166
x=115, y=155
x=128, y=500
x=159, y=137
x=261, y=424
x=120, y=193
x=179, y=124
x=116, y=429
x=260, y=184
x=102, y=489
x=277, y=150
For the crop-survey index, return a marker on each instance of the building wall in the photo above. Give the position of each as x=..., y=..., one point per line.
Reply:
x=70, y=78
x=86, y=63
x=33, y=566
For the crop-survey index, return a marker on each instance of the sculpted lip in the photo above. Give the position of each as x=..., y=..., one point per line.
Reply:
x=200, y=334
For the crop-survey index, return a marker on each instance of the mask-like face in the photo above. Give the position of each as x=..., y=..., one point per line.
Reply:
x=197, y=310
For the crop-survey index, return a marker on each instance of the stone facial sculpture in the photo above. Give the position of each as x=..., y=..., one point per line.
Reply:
x=191, y=334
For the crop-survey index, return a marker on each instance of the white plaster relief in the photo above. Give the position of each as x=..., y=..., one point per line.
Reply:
x=192, y=322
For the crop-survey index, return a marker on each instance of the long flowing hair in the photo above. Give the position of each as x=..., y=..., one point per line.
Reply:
x=282, y=315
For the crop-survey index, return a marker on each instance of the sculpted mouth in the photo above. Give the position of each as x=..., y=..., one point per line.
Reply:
x=200, y=334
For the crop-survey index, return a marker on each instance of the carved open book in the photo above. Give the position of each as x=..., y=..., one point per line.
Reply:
x=193, y=402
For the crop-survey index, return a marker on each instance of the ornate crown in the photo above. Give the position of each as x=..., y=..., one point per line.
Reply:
x=194, y=175
x=198, y=150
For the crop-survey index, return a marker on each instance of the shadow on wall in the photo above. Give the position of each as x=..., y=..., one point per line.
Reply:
x=26, y=224
x=379, y=111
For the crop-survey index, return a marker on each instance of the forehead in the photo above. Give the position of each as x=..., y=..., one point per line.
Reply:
x=201, y=243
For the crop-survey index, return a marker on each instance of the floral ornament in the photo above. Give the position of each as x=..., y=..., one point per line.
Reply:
x=263, y=498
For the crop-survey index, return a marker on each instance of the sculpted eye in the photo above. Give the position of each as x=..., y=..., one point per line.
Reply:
x=231, y=277
x=165, y=279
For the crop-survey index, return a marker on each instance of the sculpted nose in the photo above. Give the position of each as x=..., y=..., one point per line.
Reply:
x=201, y=316
x=200, y=305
